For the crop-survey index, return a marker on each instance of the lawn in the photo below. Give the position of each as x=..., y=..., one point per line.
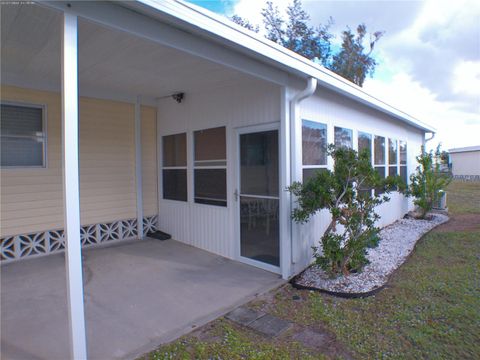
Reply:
x=430, y=309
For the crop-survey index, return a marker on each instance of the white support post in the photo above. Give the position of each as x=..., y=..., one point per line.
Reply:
x=285, y=196
x=138, y=167
x=71, y=190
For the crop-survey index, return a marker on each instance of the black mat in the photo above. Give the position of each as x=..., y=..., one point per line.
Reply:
x=159, y=235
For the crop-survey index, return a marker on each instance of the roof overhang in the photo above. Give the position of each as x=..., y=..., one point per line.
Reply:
x=194, y=30
x=201, y=22
x=464, y=149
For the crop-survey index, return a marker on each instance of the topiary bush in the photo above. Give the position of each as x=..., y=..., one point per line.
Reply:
x=346, y=193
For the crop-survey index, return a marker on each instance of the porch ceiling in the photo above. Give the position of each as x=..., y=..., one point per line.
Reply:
x=111, y=63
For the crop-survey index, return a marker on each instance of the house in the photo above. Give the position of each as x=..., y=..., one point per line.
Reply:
x=465, y=162
x=122, y=118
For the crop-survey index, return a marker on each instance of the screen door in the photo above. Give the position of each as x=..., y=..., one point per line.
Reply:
x=259, y=197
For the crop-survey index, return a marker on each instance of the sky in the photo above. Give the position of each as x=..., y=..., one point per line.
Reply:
x=429, y=56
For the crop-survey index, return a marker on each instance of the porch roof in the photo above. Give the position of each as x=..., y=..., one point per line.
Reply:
x=112, y=63
x=192, y=18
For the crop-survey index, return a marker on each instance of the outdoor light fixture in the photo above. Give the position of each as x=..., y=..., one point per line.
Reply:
x=178, y=97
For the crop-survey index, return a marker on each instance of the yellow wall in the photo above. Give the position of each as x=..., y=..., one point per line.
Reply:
x=31, y=199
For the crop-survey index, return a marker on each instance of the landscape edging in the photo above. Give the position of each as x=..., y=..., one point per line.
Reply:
x=357, y=295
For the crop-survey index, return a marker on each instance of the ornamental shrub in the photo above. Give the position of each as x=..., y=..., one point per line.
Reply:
x=347, y=194
x=428, y=180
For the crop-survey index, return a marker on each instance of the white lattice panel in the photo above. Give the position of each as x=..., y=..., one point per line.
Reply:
x=22, y=246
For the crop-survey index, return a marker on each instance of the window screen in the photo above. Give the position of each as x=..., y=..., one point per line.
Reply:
x=174, y=175
x=343, y=137
x=403, y=161
x=379, y=158
x=22, y=136
x=314, y=147
x=210, y=166
x=392, y=157
x=365, y=143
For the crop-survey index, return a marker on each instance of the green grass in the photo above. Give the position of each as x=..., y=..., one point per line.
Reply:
x=223, y=340
x=463, y=197
x=430, y=309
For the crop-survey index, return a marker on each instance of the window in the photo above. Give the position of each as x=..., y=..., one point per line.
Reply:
x=403, y=161
x=23, y=136
x=343, y=137
x=379, y=158
x=365, y=142
x=174, y=174
x=210, y=167
x=314, y=147
x=392, y=157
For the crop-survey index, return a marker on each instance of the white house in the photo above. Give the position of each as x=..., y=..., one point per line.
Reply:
x=465, y=162
x=169, y=117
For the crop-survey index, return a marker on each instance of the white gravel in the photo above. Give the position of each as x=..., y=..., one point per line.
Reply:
x=397, y=242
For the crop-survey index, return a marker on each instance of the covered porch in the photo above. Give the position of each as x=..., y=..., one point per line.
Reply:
x=137, y=296
x=103, y=76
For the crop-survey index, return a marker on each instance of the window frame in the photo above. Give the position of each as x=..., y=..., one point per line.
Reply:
x=43, y=107
x=400, y=165
x=395, y=164
x=183, y=167
x=314, y=166
x=385, y=159
x=210, y=167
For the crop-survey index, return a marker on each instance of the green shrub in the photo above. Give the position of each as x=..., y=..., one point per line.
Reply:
x=346, y=193
x=428, y=180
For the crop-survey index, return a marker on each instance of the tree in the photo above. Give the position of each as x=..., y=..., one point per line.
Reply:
x=353, y=61
x=295, y=33
x=428, y=181
x=245, y=23
x=273, y=23
x=344, y=193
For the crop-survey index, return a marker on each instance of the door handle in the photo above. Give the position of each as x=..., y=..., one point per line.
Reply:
x=235, y=194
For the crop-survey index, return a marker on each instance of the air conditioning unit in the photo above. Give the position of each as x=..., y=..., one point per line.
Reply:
x=440, y=201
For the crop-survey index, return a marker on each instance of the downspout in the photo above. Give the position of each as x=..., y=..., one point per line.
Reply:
x=427, y=140
x=295, y=155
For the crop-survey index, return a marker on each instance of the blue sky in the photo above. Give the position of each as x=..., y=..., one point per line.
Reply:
x=429, y=57
x=225, y=7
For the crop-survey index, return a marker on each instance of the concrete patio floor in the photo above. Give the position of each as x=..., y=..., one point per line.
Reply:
x=138, y=295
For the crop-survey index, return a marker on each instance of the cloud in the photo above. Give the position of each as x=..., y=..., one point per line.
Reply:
x=455, y=127
x=442, y=38
x=429, y=58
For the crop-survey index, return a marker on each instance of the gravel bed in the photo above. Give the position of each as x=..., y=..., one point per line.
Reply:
x=397, y=242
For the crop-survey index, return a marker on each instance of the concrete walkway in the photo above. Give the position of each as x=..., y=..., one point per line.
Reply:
x=137, y=295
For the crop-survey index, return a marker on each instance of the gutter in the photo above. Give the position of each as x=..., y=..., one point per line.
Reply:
x=295, y=155
x=190, y=17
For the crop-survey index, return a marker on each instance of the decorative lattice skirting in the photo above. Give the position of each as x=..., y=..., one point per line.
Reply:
x=18, y=247
x=467, y=177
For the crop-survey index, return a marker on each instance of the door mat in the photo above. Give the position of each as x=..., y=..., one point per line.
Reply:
x=159, y=235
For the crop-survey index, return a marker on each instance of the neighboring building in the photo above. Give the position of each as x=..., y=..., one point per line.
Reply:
x=465, y=162
x=209, y=165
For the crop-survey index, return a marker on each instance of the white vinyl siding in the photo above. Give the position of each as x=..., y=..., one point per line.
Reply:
x=213, y=227
x=339, y=111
